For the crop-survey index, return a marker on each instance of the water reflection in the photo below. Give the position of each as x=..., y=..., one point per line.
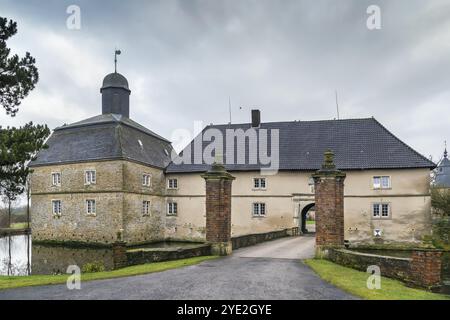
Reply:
x=18, y=257
x=15, y=255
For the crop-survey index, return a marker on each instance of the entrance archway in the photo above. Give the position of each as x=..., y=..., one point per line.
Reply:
x=303, y=217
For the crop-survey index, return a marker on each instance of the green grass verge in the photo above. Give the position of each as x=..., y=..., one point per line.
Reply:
x=310, y=222
x=354, y=282
x=38, y=280
x=19, y=225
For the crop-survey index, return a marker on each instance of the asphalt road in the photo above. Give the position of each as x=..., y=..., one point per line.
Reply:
x=271, y=270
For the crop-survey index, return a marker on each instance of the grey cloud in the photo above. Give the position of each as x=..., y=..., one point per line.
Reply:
x=184, y=58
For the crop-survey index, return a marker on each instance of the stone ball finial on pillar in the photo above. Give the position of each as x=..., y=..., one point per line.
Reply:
x=329, y=203
x=218, y=209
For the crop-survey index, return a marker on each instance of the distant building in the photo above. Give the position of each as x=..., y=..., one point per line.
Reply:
x=108, y=175
x=442, y=176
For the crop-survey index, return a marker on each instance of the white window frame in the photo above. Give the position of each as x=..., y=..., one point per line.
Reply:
x=56, y=182
x=147, y=180
x=380, y=206
x=258, y=183
x=58, y=211
x=259, y=208
x=146, y=205
x=91, y=207
x=172, y=208
x=311, y=185
x=380, y=186
x=172, y=183
x=90, y=176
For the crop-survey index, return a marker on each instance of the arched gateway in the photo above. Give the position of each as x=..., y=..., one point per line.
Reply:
x=329, y=206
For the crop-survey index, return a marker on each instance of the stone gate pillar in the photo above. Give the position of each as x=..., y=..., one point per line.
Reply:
x=329, y=199
x=218, y=209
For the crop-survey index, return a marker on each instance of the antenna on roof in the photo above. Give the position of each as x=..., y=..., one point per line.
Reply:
x=229, y=108
x=337, y=104
x=116, y=53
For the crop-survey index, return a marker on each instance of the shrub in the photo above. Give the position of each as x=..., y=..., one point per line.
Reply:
x=90, y=267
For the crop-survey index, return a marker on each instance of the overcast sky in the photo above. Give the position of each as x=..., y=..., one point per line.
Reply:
x=184, y=59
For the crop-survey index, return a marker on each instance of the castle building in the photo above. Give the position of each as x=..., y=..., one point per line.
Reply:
x=442, y=172
x=107, y=177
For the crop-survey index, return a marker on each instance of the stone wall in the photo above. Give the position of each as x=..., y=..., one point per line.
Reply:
x=252, y=239
x=141, y=256
x=74, y=224
x=392, y=267
x=119, y=195
x=422, y=269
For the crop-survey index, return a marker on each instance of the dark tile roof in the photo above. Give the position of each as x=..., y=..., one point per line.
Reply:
x=105, y=137
x=357, y=144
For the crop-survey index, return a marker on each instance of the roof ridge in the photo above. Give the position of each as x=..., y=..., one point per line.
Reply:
x=399, y=140
x=292, y=121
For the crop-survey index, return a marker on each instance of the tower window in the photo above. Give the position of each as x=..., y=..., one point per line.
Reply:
x=146, y=180
x=56, y=207
x=56, y=178
x=91, y=207
x=90, y=177
x=145, y=208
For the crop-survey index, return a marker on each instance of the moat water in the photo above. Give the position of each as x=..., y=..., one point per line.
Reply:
x=20, y=257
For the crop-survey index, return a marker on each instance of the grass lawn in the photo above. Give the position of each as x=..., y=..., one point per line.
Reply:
x=354, y=282
x=37, y=280
x=310, y=222
x=19, y=225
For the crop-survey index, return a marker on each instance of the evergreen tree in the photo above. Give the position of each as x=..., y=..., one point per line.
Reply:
x=18, y=76
x=18, y=146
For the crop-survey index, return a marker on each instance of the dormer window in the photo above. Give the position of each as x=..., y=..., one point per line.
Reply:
x=90, y=177
x=381, y=182
x=56, y=178
x=146, y=180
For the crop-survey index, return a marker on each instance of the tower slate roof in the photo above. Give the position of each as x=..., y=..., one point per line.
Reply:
x=105, y=137
x=357, y=144
x=442, y=178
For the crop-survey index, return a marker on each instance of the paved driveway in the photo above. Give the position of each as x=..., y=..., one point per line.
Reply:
x=269, y=270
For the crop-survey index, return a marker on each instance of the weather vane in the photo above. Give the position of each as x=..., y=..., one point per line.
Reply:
x=116, y=53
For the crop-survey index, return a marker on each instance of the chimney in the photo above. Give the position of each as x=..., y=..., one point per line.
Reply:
x=256, y=118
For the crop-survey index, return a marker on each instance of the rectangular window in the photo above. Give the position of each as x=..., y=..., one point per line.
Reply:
x=146, y=180
x=90, y=207
x=384, y=210
x=376, y=210
x=381, y=182
x=381, y=210
x=56, y=178
x=259, y=209
x=90, y=177
x=145, y=208
x=172, y=209
x=259, y=183
x=56, y=207
x=172, y=184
